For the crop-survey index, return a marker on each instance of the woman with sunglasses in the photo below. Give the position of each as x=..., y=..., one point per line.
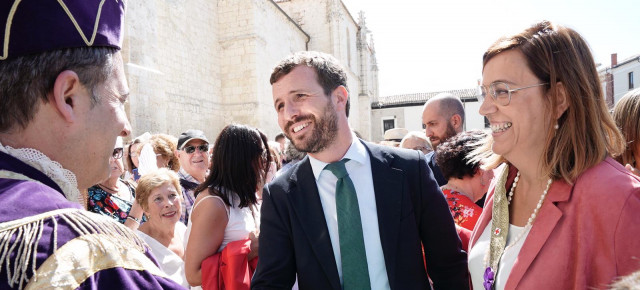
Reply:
x=561, y=213
x=115, y=197
x=225, y=208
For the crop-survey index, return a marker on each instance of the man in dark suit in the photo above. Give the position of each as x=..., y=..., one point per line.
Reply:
x=392, y=209
x=442, y=118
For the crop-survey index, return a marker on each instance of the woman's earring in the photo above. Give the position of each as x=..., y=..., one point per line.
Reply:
x=556, y=126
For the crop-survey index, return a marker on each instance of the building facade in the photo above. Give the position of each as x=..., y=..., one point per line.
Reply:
x=620, y=78
x=205, y=64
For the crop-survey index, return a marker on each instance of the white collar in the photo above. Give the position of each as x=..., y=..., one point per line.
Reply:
x=64, y=178
x=357, y=152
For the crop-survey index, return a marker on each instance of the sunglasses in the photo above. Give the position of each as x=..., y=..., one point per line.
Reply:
x=202, y=147
x=117, y=153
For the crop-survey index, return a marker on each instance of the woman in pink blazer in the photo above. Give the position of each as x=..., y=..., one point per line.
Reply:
x=560, y=212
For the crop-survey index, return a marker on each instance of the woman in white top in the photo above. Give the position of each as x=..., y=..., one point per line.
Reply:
x=225, y=207
x=159, y=194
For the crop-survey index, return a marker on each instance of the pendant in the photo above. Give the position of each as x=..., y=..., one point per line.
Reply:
x=489, y=278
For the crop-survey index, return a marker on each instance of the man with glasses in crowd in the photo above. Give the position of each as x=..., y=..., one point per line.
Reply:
x=442, y=118
x=62, y=95
x=193, y=153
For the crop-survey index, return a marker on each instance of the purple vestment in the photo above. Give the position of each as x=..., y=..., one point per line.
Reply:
x=20, y=199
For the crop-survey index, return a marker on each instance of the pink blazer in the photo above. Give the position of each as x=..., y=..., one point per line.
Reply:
x=585, y=235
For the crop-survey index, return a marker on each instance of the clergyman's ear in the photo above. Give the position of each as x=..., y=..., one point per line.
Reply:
x=65, y=94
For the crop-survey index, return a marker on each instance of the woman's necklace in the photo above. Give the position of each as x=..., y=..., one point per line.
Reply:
x=116, y=191
x=499, y=239
x=110, y=189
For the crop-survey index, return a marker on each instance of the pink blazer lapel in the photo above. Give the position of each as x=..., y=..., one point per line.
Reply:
x=545, y=222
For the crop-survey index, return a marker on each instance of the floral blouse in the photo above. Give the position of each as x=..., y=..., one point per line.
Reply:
x=108, y=204
x=465, y=213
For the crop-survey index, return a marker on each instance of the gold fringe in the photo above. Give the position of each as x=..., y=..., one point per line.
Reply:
x=27, y=233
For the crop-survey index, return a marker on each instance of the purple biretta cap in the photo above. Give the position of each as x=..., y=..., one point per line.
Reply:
x=34, y=26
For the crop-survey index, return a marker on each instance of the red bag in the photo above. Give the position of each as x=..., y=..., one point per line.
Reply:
x=230, y=269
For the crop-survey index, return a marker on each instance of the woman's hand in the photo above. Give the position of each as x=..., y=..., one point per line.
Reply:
x=254, y=246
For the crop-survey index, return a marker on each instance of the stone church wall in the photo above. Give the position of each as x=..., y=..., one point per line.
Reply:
x=172, y=62
x=206, y=63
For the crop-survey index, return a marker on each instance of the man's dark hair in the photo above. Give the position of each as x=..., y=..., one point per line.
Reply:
x=26, y=80
x=279, y=137
x=452, y=157
x=329, y=71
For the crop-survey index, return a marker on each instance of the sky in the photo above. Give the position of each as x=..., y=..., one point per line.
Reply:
x=437, y=45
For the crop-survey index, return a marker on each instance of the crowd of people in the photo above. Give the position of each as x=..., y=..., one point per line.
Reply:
x=547, y=198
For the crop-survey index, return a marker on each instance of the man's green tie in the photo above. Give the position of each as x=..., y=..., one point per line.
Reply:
x=355, y=273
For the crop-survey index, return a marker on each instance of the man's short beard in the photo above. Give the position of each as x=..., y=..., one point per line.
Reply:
x=325, y=132
x=450, y=132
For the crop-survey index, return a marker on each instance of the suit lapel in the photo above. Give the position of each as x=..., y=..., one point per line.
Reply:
x=388, y=187
x=544, y=224
x=305, y=201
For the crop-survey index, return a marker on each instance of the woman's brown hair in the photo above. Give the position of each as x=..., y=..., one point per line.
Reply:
x=561, y=57
x=626, y=114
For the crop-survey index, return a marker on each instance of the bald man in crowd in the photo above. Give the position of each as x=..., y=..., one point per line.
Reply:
x=442, y=118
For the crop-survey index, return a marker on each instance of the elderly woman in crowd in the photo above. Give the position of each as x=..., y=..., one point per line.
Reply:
x=561, y=213
x=416, y=140
x=159, y=195
x=626, y=113
x=115, y=197
x=291, y=156
x=158, y=152
x=225, y=207
x=165, y=147
x=467, y=182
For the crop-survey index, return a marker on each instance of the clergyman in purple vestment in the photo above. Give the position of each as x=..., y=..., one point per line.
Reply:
x=62, y=95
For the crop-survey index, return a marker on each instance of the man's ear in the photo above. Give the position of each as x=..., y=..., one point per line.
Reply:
x=65, y=94
x=342, y=96
x=562, y=100
x=456, y=121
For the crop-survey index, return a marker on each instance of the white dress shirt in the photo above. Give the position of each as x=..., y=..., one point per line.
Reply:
x=359, y=169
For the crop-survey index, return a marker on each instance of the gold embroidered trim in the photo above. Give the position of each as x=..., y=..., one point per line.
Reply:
x=28, y=231
x=7, y=29
x=12, y=12
x=14, y=175
x=75, y=23
x=84, y=256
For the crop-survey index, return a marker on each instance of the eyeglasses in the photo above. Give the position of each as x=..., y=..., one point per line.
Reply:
x=501, y=92
x=202, y=147
x=117, y=153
